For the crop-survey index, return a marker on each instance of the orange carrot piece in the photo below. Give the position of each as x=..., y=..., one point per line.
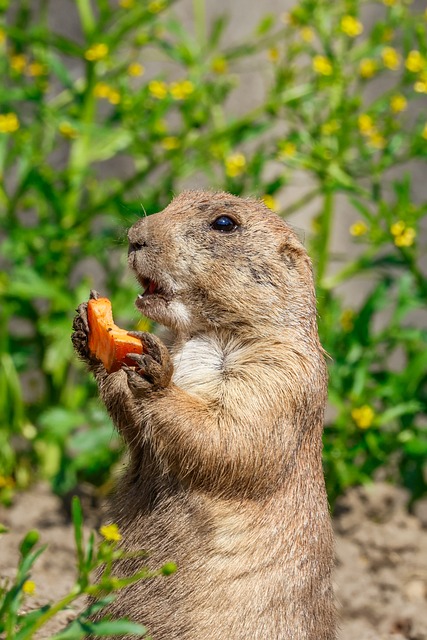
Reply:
x=107, y=341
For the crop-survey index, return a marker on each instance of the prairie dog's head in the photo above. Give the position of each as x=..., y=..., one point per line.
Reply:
x=213, y=261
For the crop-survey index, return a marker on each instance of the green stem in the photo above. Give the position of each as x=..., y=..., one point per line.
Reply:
x=199, y=12
x=79, y=153
x=351, y=269
x=87, y=18
x=324, y=235
x=419, y=277
x=59, y=606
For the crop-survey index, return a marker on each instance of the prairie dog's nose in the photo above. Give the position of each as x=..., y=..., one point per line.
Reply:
x=137, y=237
x=136, y=246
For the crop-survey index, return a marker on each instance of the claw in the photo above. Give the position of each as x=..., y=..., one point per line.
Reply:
x=150, y=342
x=81, y=318
x=136, y=357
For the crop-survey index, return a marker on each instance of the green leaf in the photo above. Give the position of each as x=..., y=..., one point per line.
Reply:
x=27, y=284
x=295, y=93
x=76, y=630
x=342, y=178
x=26, y=564
x=105, y=143
x=30, y=539
x=112, y=627
x=169, y=568
x=266, y=24
x=27, y=621
x=59, y=422
x=217, y=30
x=399, y=410
x=90, y=552
x=77, y=516
x=416, y=447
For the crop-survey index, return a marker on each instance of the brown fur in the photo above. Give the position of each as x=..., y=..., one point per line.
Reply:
x=224, y=430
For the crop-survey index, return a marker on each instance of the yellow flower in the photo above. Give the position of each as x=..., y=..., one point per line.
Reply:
x=387, y=35
x=322, y=65
x=270, y=202
x=307, y=34
x=359, y=228
x=96, y=52
x=114, y=97
x=158, y=89
x=6, y=482
x=36, y=69
x=219, y=65
x=377, y=141
x=351, y=26
x=398, y=103
x=287, y=150
x=420, y=86
x=18, y=62
x=156, y=6
x=414, y=61
x=363, y=416
x=347, y=320
x=101, y=90
x=367, y=68
x=397, y=228
x=330, y=127
x=170, y=142
x=406, y=239
x=389, y=3
x=135, y=69
x=181, y=90
x=67, y=130
x=366, y=124
x=403, y=236
x=111, y=532
x=29, y=587
x=127, y=4
x=424, y=132
x=235, y=164
x=9, y=123
x=273, y=54
x=391, y=58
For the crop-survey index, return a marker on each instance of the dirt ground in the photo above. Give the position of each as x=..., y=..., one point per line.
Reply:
x=381, y=566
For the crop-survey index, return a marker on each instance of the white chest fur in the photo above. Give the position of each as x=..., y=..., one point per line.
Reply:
x=199, y=366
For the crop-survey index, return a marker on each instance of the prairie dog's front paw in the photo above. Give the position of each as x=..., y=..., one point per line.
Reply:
x=153, y=368
x=80, y=335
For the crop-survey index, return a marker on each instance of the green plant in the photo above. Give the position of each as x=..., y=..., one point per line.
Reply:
x=139, y=92
x=90, y=556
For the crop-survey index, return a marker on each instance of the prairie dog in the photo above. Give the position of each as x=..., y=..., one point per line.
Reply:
x=223, y=428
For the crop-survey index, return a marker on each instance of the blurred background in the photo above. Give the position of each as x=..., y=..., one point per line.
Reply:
x=109, y=108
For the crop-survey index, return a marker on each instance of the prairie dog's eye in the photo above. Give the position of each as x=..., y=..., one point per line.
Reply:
x=224, y=224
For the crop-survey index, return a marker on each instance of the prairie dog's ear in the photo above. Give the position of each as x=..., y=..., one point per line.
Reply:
x=293, y=255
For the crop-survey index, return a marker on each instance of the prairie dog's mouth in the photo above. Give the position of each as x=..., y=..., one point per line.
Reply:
x=152, y=289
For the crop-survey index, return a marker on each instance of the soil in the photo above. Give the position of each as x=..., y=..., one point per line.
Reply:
x=381, y=567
